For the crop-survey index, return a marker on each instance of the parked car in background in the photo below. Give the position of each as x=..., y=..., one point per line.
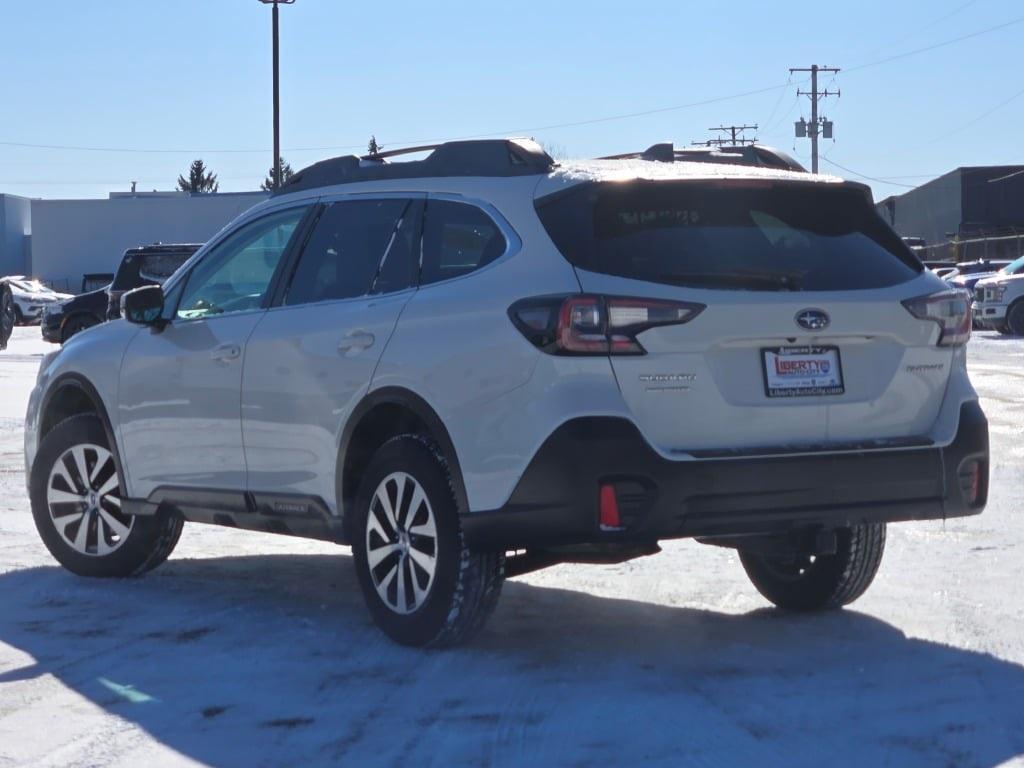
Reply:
x=30, y=296
x=62, y=320
x=146, y=265
x=980, y=266
x=6, y=313
x=999, y=299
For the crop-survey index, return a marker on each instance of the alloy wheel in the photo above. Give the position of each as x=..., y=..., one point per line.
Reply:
x=83, y=498
x=401, y=543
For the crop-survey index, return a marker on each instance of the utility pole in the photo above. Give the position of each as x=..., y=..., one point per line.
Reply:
x=814, y=128
x=277, y=99
x=736, y=135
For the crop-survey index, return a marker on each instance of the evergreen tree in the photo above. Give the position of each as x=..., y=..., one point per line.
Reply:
x=286, y=173
x=200, y=179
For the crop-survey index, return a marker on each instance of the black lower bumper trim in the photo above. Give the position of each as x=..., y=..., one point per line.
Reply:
x=556, y=500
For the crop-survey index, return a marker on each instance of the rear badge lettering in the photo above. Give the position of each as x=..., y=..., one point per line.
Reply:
x=671, y=382
x=925, y=368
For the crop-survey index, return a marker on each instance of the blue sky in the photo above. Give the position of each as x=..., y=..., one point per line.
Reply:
x=194, y=75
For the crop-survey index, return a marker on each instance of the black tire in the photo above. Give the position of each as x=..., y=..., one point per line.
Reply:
x=465, y=586
x=149, y=541
x=1015, y=318
x=825, y=582
x=76, y=324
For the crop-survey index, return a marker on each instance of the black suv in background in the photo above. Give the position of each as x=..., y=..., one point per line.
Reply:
x=62, y=321
x=146, y=265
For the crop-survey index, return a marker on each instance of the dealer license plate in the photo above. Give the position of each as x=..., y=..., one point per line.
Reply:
x=802, y=371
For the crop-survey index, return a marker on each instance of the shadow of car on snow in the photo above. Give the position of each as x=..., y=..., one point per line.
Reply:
x=266, y=660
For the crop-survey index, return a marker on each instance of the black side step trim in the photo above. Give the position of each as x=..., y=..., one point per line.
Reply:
x=284, y=513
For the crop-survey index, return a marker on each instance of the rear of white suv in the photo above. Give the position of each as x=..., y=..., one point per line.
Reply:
x=482, y=364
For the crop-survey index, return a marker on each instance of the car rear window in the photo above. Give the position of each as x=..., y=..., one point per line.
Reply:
x=734, y=235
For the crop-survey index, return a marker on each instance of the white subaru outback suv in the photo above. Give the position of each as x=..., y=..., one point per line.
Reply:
x=482, y=363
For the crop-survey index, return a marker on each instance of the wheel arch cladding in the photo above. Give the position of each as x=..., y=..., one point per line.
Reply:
x=381, y=415
x=72, y=395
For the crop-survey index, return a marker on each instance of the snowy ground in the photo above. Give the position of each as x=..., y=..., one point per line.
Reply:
x=249, y=650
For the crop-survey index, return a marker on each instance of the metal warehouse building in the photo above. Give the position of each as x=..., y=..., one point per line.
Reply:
x=966, y=203
x=59, y=241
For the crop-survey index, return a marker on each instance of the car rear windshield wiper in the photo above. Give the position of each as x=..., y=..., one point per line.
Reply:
x=751, y=281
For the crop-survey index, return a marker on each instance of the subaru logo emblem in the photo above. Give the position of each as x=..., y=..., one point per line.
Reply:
x=812, y=319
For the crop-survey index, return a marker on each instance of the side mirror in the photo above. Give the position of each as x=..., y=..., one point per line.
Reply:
x=144, y=306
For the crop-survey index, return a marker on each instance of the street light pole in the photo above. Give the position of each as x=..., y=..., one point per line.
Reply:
x=277, y=95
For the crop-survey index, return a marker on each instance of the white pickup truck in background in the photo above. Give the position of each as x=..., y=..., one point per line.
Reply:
x=999, y=299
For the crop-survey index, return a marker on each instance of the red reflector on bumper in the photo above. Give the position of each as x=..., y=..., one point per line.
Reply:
x=609, y=508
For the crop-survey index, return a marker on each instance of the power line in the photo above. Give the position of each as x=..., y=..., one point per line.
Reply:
x=979, y=118
x=943, y=44
x=865, y=176
x=553, y=126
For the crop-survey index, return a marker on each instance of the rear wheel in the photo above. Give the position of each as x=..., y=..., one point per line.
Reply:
x=1015, y=318
x=814, y=583
x=421, y=583
x=76, y=502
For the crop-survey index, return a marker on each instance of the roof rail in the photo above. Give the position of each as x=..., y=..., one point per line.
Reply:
x=748, y=154
x=480, y=157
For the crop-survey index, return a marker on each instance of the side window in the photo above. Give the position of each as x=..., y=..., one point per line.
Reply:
x=157, y=267
x=349, y=251
x=236, y=274
x=457, y=239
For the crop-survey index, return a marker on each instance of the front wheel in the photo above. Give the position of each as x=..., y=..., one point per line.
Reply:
x=814, y=583
x=1015, y=319
x=421, y=583
x=76, y=502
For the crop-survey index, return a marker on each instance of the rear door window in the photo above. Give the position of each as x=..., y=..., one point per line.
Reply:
x=157, y=267
x=458, y=238
x=745, y=235
x=356, y=248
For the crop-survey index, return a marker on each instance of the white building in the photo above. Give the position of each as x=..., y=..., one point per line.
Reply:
x=59, y=241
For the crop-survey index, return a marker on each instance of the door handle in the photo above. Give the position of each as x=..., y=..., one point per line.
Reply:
x=226, y=352
x=355, y=341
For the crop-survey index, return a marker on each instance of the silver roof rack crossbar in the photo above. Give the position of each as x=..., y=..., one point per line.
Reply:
x=748, y=154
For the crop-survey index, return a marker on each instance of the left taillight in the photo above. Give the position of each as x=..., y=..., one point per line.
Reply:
x=588, y=324
x=951, y=310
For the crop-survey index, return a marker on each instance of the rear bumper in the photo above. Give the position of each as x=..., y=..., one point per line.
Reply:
x=556, y=501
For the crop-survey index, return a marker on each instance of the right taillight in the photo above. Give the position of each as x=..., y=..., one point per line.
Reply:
x=951, y=310
x=587, y=324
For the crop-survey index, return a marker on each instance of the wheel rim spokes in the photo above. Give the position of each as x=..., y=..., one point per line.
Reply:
x=83, y=498
x=401, y=543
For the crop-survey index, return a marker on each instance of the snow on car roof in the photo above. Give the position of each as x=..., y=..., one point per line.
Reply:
x=577, y=171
